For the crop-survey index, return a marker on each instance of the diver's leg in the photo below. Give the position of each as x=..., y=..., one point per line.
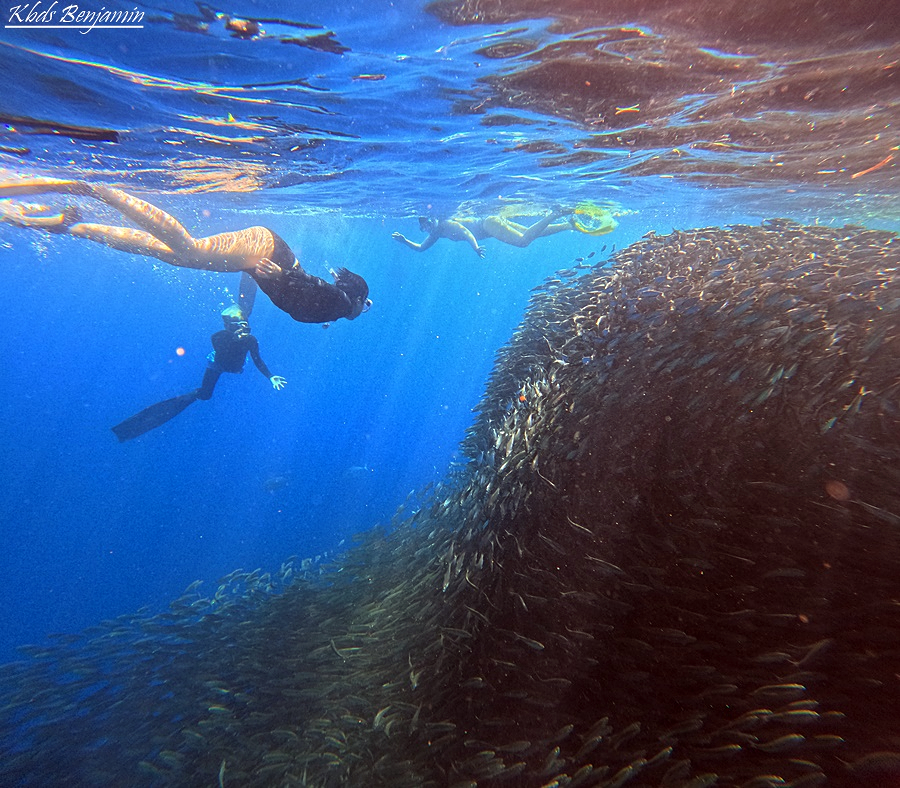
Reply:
x=210, y=378
x=152, y=219
x=153, y=417
x=18, y=187
x=231, y=251
x=546, y=227
x=237, y=250
x=504, y=230
x=519, y=235
x=247, y=294
x=125, y=239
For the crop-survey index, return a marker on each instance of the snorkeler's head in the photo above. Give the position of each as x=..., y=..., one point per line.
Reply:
x=356, y=290
x=426, y=224
x=234, y=320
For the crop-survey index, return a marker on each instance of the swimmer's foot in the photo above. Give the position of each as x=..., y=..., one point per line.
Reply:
x=61, y=222
x=39, y=216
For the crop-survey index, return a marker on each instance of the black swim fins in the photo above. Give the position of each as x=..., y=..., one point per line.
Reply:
x=152, y=417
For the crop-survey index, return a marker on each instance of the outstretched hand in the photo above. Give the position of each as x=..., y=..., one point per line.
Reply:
x=398, y=237
x=481, y=251
x=278, y=382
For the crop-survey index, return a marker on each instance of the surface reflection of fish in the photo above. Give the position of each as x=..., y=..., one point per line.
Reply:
x=277, y=482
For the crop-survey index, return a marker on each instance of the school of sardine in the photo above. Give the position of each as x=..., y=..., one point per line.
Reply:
x=673, y=559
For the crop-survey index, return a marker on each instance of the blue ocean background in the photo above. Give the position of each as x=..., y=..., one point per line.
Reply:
x=373, y=410
x=341, y=149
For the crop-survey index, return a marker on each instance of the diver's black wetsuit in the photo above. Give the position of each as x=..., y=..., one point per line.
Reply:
x=229, y=354
x=306, y=298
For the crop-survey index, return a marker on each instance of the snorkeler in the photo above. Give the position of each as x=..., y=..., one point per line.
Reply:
x=257, y=251
x=472, y=230
x=230, y=349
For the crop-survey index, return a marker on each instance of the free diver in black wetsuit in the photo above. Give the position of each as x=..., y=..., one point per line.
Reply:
x=230, y=349
x=308, y=298
x=257, y=251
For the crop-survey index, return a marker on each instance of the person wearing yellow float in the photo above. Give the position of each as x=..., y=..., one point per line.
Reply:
x=587, y=218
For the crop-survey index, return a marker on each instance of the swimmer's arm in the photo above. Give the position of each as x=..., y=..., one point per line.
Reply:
x=463, y=233
x=473, y=242
x=257, y=358
x=426, y=244
x=278, y=382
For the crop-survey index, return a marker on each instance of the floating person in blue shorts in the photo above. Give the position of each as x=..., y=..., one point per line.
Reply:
x=230, y=349
x=257, y=251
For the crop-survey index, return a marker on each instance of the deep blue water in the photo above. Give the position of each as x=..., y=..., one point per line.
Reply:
x=583, y=581
x=373, y=410
x=334, y=161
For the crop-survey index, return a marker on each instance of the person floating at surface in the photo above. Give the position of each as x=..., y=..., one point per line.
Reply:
x=230, y=349
x=472, y=230
x=258, y=251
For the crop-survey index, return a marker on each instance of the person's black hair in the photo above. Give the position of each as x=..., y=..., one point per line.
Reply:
x=352, y=284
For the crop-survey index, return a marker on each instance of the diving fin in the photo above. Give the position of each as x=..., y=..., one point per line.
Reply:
x=152, y=417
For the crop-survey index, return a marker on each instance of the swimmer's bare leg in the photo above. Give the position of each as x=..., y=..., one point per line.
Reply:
x=67, y=222
x=506, y=231
x=125, y=239
x=225, y=252
x=18, y=187
x=519, y=235
x=150, y=218
x=154, y=220
x=546, y=227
